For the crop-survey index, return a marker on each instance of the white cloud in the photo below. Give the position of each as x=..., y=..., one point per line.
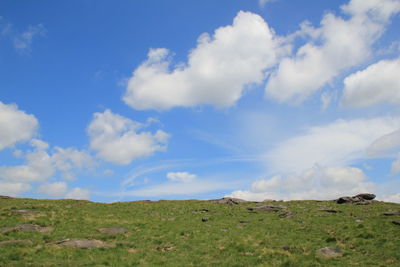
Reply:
x=392, y=198
x=216, y=73
x=23, y=41
x=396, y=166
x=385, y=145
x=183, y=177
x=336, y=144
x=16, y=125
x=40, y=164
x=335, y=46
x=117, y=139
x=170, y=188
x=314, y=183
x=262, y=3
x=13, y=189
x=379, y=83
x=57, y=189
x=78, y=193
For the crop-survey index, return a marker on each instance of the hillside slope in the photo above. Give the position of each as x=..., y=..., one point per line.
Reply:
x=197, y=233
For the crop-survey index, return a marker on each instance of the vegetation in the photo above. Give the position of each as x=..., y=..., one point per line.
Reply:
x=200, y=233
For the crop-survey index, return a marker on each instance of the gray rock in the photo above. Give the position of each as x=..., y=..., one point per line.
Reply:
x=5, y=197
x=267, y=208
x=25, y=211
x=286, y=214
x=396, y=222
x=28, y=227
x=204, y=219
x=366, y=196
x=229, y=200
x=392, y=213
x=329, y=252
x=360, y=199
x=84, y=243
x=113, y=230
x=330, y=210
x=18, y=242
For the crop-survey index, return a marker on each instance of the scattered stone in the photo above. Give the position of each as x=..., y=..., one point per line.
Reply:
x=229, y=200
x=267, y=208
x=285, y=247
x=113, y=230
x=359, y=220
x=168, y=219
x=166, y=249
x=25, y=211
x=392, y=213
x=19, y=242
x=396, y=222
x=133, y=250
x=204, y=219
x=360, y=199
x=28, y=227
x=330, y=252
x=244, y=221
x=5, y=197
x=84, y=243
x=286, y=214
x=330, y=210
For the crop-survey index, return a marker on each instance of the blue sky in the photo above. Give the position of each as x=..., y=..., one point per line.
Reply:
x=199, y=99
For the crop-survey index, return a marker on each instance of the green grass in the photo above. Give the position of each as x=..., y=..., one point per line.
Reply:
x=172, y=233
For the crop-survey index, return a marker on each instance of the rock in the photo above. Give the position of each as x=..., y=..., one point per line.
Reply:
x=286, y=214
x=396, y=222
x=24, y=211
x=285, y=247
x=28, y=227
x=330, y=210
x=84, y=243
x=229, y=200
x=19, y=242
x=113, y=230
x=360, y=199
x=166, y=249
x=330, y=252
x=392, y=213
x=204, y=219
x=267, y=208
x=5, y=197
x=244, y=221
x=366, y=196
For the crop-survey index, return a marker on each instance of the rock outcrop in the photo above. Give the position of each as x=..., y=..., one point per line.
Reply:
x=360, y=199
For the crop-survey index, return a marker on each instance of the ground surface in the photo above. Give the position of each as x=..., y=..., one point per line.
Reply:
x=196, y=233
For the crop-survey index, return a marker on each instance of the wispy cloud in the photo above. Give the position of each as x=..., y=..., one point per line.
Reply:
x=23, y=41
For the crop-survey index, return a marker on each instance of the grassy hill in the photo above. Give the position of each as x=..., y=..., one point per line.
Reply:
x=197, y=233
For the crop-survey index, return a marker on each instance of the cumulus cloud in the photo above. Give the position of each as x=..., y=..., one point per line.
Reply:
x=183, y=177
x=13, y=189
x=217, y=72
x=120, y=140
x=337, y=45
x=379, y=83
x=336, y=144
x=314, y=183
x=392, y=198
x=40, y=164
x=57, y=189
x=78, y=193
x=16, y=125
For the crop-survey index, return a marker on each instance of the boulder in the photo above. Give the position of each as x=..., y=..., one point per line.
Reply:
x=286, y=214
x=330, y=210
x=396, y=222
x=84, y=243
x=360, y=199
x=329, y=252
x=229, y=200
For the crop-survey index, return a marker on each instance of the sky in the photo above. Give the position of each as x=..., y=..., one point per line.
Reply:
x=129, y=100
